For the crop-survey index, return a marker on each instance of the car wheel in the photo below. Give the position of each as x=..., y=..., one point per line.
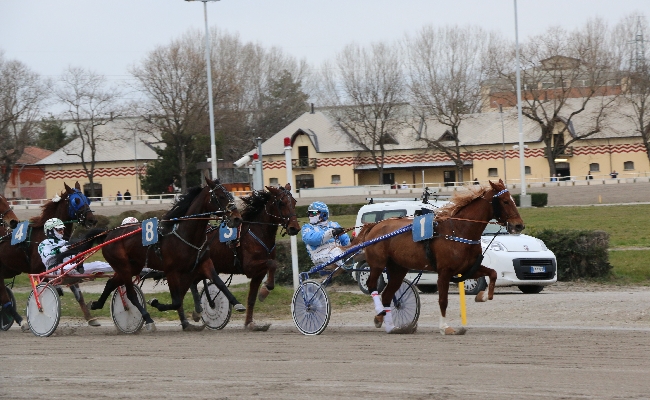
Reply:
x=474, y=286
x=531, y=289
x=362, y=279
x=428, y=288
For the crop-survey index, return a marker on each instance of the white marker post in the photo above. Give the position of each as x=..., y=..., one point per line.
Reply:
x=294, y=239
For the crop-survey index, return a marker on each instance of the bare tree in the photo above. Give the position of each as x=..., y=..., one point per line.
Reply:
x=367, y=88
x=630, y=37
x=22, y=94
x=91, y=105
x=569, y=83
x=446, y=69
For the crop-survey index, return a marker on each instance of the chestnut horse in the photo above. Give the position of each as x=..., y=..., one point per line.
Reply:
x=70, y=206
x=254, y=253
x=181, y=251
x=455, y=248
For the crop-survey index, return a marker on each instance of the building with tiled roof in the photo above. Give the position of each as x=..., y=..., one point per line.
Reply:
x=27, y=180
x=324, y=155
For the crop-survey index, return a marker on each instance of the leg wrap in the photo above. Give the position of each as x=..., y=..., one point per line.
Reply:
x=388, y=320
x=76, y=292
x=376, y=298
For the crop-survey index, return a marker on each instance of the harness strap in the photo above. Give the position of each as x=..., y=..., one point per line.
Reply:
x=268, y=251
x=472, y=271
x=199, y=253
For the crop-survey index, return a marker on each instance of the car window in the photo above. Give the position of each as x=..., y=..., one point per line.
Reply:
x=369, y=217
x=494, y=229
x=394, y=214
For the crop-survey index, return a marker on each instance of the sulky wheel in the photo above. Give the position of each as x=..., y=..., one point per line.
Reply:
x=406, y=305
x=216, y=317
x=6, y=316
x=43, y=322
x=362, y=279
x=310, y=308
x=126, y=316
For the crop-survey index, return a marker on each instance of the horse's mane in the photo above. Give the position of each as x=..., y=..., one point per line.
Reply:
x=183, y=203
x=458, y=201
x=254, y=203
x=47, y=211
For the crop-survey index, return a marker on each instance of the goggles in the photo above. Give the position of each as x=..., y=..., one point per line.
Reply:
x=60, y=230
x=312, y=213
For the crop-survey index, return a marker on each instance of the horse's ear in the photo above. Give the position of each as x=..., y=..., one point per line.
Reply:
x=494, y=185
x=68, y=189
x=269, y=188
x=208, y=181
x=288, y=186
x=77, y=185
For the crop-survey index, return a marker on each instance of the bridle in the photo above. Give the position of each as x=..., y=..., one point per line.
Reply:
x=230, y=207
x=78, y=210
x=278, y=203
x=497, y=211
x=2, y=218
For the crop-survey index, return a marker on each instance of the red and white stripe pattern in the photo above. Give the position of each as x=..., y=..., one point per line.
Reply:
x=98, y=173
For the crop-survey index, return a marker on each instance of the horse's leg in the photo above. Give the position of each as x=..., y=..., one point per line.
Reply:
x=372, y=288
x=270, y=280
x=178, y=287
x=92, y=321
x=396, y=275
x=196, y=314
x=252, y=290
x=150, y=326
x=222, y=286
x=483, y=296
x=108, y=289
x=443, y=295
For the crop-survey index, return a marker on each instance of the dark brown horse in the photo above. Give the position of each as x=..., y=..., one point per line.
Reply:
x=254, y=253
x=70, y=206
x=454, y=249
x=181, y=252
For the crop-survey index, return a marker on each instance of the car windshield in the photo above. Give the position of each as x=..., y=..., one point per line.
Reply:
x=494, y=229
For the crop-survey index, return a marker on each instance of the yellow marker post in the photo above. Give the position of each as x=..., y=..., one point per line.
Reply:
x=463, y=311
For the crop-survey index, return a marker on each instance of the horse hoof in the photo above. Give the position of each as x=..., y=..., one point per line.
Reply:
x=481, y=297
x=193, y=328
x=150, y=327
x=153, y=302
x=93, y=322
x=196, y=316
x=93, y=305
x=263, y=293
x=451, y=331
x=239, y=307
x=379, y=320
x=25, y=328
x=253, y=327
x=405, y=330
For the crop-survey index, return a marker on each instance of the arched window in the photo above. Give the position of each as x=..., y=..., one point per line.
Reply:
x=594, y=167
x=628, y=165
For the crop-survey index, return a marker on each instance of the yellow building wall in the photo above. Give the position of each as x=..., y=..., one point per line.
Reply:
x=112, y=176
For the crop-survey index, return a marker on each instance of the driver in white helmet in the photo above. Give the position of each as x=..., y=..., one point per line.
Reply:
x=322, y=236
x=55, y=244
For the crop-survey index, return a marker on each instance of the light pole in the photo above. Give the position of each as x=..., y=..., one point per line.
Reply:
x=208, y=66
x=524, y=199
x=503, y=142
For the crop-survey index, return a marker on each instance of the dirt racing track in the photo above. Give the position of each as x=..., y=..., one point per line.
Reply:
x=570, y=341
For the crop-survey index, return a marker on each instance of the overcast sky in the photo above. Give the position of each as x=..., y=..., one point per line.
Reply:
x=108, y=36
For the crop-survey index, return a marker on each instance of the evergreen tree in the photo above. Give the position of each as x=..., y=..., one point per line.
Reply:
x=52, y=134
x=281, y=104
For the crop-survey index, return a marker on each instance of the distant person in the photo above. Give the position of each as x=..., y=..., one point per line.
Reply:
x=589, y=176
x=554, y=178
x=118, y=196
x=127, y=195
x=613, y=174
x=404, y=185
x=476, y=182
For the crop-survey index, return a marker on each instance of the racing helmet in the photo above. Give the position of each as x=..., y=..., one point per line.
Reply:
x=51, y=225
x=130, y=220
x=319, y=207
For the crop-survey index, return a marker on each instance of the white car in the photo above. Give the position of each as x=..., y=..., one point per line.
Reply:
x=519, y=260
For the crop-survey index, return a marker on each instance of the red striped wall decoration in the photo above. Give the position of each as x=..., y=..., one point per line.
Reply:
x=99, y=173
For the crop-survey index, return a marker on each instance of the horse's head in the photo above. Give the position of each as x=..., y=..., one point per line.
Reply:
x=7, y=216
x=282, y=206
x=504, y=208
x=79, y=206
x=224, y=201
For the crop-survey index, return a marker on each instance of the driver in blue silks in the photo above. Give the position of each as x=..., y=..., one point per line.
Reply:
x=322, y=236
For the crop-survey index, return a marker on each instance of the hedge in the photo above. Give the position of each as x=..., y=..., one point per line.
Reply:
x=579, y=253
x=335, y=209
x=536, y=199
x=284, y=274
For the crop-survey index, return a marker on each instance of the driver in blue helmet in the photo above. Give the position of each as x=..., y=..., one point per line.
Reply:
x=322, y=236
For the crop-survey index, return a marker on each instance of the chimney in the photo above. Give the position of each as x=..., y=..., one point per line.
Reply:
x=312, y=108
